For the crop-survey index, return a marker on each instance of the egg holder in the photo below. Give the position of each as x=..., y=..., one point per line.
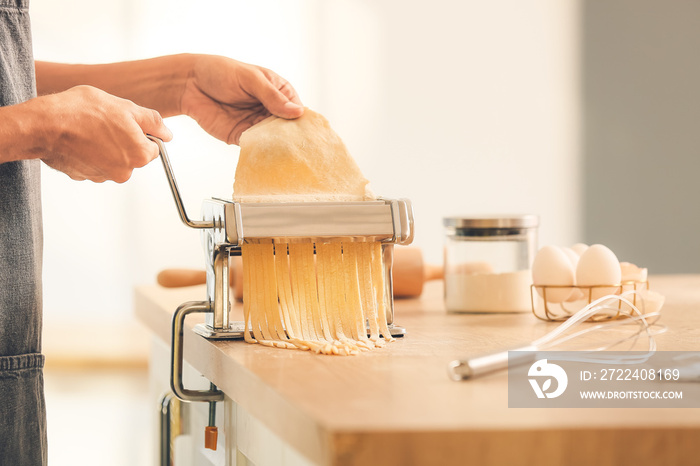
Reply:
x=564, y=311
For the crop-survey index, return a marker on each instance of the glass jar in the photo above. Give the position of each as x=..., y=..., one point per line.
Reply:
x=487, y=263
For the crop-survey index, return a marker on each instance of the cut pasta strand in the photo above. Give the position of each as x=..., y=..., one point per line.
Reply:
x=323, y=302
x=367, y=292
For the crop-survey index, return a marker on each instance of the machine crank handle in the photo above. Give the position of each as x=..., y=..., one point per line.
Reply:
x=177, y=355
x=174, y=189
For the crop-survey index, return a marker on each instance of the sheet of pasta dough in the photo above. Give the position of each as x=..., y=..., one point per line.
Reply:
x=297, y=161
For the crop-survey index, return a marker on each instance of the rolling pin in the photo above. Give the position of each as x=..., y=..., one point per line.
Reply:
x=409, y=271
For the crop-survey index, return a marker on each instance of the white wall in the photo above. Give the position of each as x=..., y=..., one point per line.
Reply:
x=463, y=107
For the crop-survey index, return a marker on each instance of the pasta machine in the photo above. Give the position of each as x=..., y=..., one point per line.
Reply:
x=226, y=225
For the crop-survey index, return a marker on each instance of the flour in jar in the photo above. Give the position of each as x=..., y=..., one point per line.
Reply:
x=488, y=292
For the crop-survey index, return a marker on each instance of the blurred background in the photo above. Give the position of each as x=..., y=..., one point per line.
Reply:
x=583, y=112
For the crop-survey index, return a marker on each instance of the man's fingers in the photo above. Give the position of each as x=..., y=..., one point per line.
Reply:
x=151, y=122
x=289, y=91
x=148, y=152
x=277, y=95
x=122, y=177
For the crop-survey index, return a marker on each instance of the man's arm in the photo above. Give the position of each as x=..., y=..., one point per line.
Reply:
x=83, y=132
x=223, y=95
x=156, y=83
x=18, y=133
x=90, y=121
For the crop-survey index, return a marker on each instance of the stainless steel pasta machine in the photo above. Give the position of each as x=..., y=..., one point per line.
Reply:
x=226, y=225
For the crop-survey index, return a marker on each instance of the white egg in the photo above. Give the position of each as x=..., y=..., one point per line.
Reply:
x=552, y=267
x=576, y=294
x=572, y=256
x=579, y=248
x=598, y=265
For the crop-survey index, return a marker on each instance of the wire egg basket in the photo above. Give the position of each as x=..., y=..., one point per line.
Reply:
x=557, y=312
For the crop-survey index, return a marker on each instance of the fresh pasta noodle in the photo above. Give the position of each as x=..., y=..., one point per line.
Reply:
x=321, y=297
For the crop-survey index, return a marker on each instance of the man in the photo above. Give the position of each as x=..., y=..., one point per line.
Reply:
x=89, y=121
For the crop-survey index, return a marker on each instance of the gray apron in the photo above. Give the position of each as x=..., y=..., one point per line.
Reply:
x=22, y=409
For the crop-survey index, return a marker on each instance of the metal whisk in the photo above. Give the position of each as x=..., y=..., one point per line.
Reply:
x=634, y=312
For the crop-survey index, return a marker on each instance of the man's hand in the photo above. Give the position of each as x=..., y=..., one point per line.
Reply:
x=226, y=96
x=91, y=135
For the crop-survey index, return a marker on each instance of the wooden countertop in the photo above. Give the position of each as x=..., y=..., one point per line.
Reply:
x=397, y=406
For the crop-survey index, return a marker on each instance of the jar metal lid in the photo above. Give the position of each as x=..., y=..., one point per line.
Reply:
x=493, y=221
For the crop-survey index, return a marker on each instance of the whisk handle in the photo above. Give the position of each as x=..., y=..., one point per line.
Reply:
x=465, y=369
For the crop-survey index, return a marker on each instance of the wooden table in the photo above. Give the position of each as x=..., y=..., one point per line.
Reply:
x=397, y=406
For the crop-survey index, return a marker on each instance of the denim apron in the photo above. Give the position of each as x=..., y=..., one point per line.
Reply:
x=22, y=409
